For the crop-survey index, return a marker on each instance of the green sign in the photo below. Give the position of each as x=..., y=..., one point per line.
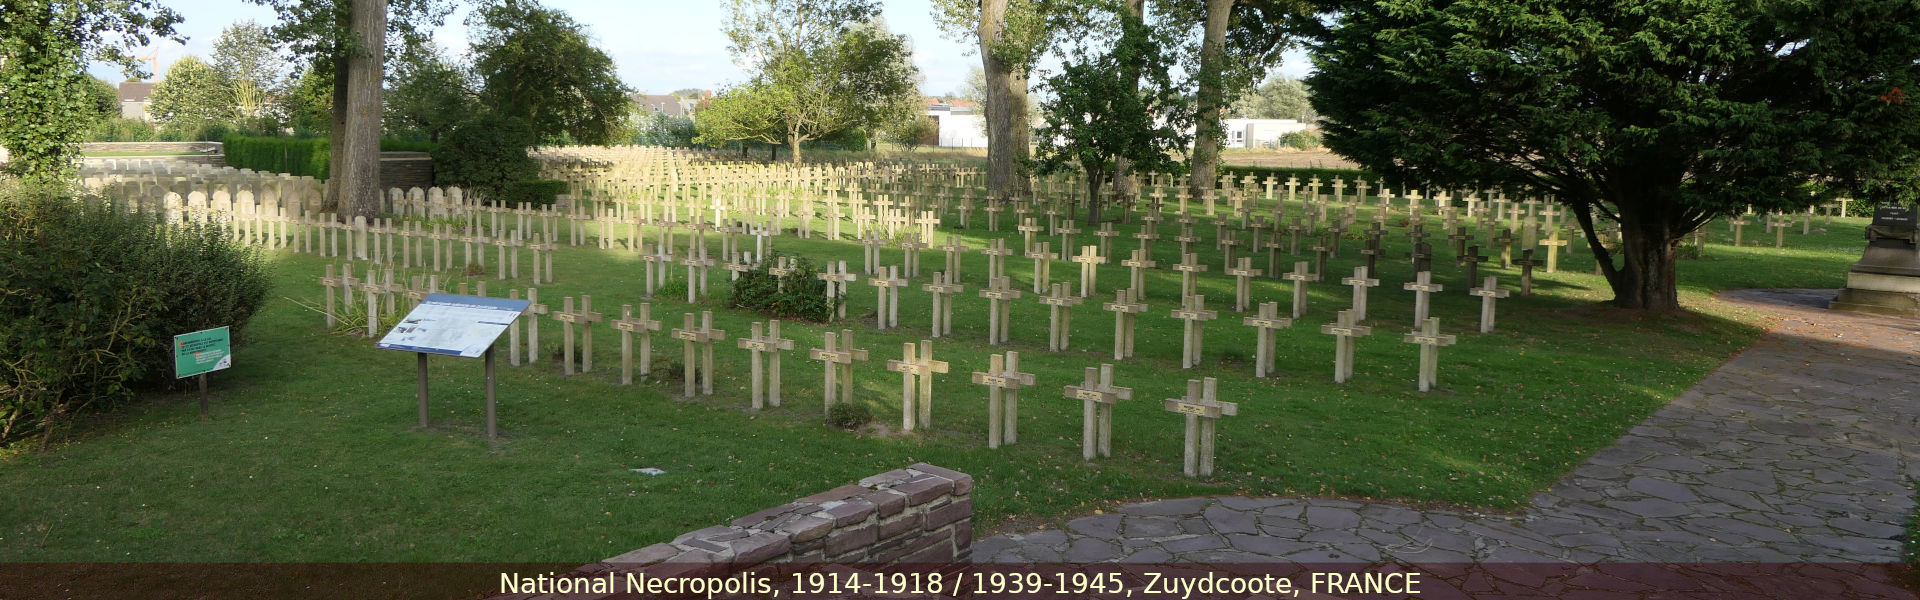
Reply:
x=201, y=352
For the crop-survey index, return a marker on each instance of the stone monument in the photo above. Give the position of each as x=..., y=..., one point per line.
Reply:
x=1887, y=279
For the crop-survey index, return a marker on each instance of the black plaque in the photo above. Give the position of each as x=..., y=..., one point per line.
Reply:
x=1898, y=217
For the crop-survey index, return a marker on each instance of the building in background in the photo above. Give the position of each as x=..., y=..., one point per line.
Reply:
x=669, y=104
x=959, y=123
x=134, y=98
x=1257, y=133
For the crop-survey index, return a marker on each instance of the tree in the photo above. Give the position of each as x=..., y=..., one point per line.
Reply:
x=913, y=132
x=1009, y=35
x=1099, y=112
x=1240, y=40
x=191, y=97
x=427, y=94
x=816, y=70
x=1658, y=115
x=308, y=102
x=1278, y=98
x=690, y=94
x=350, y=38
x=254, y=68
x=103, y=98
x=537, y=65
x=44, y=48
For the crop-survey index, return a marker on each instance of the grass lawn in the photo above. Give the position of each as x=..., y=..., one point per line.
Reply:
x=313, y=455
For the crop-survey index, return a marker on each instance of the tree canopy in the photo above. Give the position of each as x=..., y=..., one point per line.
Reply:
x=1277, y=98
x=193, y=95
x=538, y=65
x=1658, y=114
x=427, y=93
x=816, y=70
x=44, y=49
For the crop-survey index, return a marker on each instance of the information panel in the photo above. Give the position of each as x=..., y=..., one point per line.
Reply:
x=453, y=325
x=201, y=352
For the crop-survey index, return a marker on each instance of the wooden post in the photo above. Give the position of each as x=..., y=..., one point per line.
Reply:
x=628, y=325
x=423, y=388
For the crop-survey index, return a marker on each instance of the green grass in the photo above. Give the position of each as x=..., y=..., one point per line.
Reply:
x=116, y=154
x=313, y=456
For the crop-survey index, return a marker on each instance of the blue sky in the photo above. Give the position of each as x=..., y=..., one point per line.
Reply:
x=658, y=45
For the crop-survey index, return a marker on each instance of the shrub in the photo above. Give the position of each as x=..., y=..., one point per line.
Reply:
x=804, y=296
x=309, y=157
x=117, y=129
x=540, y=192
x=91, y=297
x=1306, y=139
x=849, y=415
x=486, y=154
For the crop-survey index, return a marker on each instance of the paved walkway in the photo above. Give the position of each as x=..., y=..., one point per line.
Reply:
x=1801, y=448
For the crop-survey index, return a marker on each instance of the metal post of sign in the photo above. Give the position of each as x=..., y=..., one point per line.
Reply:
x=423, y=388
x=492, y=431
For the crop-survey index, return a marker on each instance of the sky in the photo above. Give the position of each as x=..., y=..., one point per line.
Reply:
x=658, y=45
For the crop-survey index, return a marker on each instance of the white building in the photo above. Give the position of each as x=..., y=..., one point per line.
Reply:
x=1257, y=133
x=959, y=123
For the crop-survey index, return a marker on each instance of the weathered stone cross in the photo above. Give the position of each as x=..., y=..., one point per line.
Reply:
x=916, y=410
x=1138, y=265
x=1488, y=291
x=700, y=363
x=1060, y=321
x=1090, y=261
x=1422, y=286
x=887, y=286
x=1243, y=274
x=1042, y=255
x=999, y=295
x=837, y=279
x=1188, y=267
x=1126, y=305
x=628, y=325
x=1267, y=324
x=1300, y=278
x=1430, y=340
x=1097, y=395
x=1360, y=282
x=1003, y=380
x=771, y=343
x=838, y=356
x=1202, y=408
x=943, y=293
x=585, y=317
x=1344, y=331
x=1193, y=311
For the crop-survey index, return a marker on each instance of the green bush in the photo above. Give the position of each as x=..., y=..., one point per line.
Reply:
x=487, y=155
x=91, y=297
x=1306, y=139
x=540, y=192
x=804, y=296
x=849, y=415
x=117, y=129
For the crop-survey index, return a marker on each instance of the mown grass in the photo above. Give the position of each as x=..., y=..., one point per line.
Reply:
x=313, y=454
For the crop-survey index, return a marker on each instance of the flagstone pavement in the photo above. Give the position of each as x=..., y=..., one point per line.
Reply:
x=1802, y=448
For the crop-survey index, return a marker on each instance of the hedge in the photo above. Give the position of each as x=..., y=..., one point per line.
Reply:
x=296, y=156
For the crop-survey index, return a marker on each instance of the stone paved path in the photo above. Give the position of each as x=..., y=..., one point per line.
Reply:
x=1801, y=448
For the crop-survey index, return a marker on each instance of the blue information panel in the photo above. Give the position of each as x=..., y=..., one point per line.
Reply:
x=453, y=325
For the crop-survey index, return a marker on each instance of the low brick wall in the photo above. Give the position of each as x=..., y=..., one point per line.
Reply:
x=920, y=514
x=204, y=147
x=211, y=160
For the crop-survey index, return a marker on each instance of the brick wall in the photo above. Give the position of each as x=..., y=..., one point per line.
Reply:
x=406, y=170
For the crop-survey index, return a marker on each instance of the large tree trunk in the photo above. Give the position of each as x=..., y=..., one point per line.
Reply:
x=358, y=174
x=793, y=146
x=1124, y=189
x=337, y=134
x=1008, y=132
x=1212, y=101
x=1651, y=228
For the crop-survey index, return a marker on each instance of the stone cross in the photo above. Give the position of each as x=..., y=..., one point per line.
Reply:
x=628, y=325
x=1125, y=308
x=1471, y=260
x=943, y=292
x=1526, y=262
x=585, y=317
x=1421, y=256
x=870, y=251
x=1267, y=324
x=1488, y=291
x=910, y=254
x=1188, y=267
x=1300, y=278
x=1505, y=240
x=658, y=259
x=1460, y=238
x=1243, y=274
x=838, y=356
x=954, y=249
x=887, y=286
x=1090, y=260
x=999, y=295
x=916, y=410
x=1554, y=245
x=533, y=311
x=696, y=260
x=1138, y=265
x=1739, y=224
x=1422, y=286
x=997, y=252
x=1360, y=282
x=542, y=249
x=1097, y=395
x=1430, y=340
x=1344, y=331
x=331, y=281
x=1003, y=380
x=1028, y=228
x=1106, y=235
x=1193, y=311
x=700, y=364
x=1042, y=256
x=1202, y=408
x=1060, y=324
x=837, y=279
x=771, y=343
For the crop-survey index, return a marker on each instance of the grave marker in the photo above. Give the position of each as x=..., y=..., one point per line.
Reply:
x=1193, y=311
x=698, y=364
x=1344, y=331
x=628, y=325
x=916, y=410
x=1202, y=409
x=1430, y=340
x=837, y=355
x=1003, y=380
x=770, y=343
x=1488, y=291
x=1097, y=395
x=1267, y=323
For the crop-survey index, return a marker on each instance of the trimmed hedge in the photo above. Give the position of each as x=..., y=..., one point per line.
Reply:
x=1304, y=173
x=308, y=157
